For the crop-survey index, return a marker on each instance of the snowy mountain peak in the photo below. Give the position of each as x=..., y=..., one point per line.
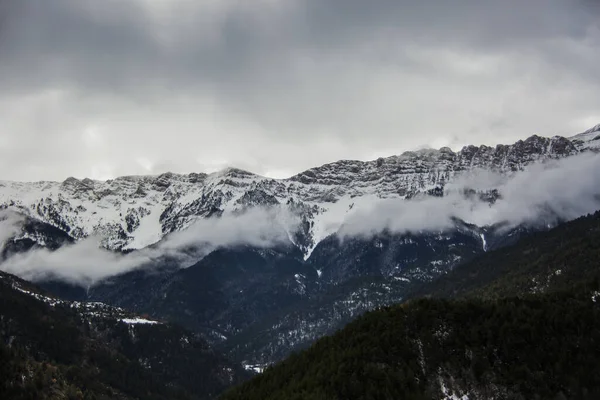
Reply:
x=588, y=140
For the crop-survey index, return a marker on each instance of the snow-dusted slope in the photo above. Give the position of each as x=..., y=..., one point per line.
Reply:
x=589, y=139
x=133, y=212
x=87, y=310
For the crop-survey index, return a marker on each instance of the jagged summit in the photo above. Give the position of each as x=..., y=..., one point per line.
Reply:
x=132, y=212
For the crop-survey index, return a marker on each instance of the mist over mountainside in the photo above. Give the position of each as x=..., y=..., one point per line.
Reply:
x=261, y=267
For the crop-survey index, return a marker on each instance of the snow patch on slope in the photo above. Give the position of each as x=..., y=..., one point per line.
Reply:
x=131, y=321
x=483, y=241
x=149, y=230
x=450, y=395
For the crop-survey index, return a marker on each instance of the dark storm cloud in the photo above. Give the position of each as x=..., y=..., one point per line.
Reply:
x=324, y=78
x=117, y=43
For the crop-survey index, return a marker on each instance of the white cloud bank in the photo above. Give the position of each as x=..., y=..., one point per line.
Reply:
x=85, y=262
x=563, y=189
x=10, y=225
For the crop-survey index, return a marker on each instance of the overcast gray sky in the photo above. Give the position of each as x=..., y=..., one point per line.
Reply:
x=92, y=88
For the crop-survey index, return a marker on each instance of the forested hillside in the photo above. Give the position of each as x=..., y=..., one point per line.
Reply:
x=51, y=350
x=523, y=324
x=557, y=259
x=540, y=347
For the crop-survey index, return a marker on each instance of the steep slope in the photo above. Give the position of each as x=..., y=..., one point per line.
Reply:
x=412, y=256
x=526, y=327
x=541, y=347
x=272, y=339
x=545, y=261
x=56, y=349
x=218, y=296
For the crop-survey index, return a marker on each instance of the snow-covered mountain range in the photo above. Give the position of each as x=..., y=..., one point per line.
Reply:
x=258, y=303
x=133, y=212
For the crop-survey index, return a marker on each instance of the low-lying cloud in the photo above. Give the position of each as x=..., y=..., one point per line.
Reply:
x=86, y=262
x=560, y=190
x=10, y=225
